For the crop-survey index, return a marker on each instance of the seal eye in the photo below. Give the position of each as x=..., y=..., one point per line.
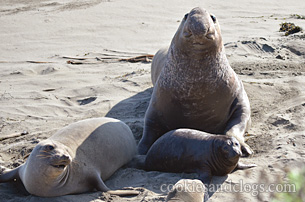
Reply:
x=213, y=18
x=49, y=147
x=185, y=16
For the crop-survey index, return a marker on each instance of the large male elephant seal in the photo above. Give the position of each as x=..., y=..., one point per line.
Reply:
x=195, y=86
x=76, y=159
x=193, y=151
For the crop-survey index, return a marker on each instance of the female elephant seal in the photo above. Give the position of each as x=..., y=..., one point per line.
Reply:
x=76, y=159
x=193, y=151
x=195, y=87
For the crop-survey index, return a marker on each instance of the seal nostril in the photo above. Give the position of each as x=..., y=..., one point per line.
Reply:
x=213, y=18
x=185, y=16
x=65, y=157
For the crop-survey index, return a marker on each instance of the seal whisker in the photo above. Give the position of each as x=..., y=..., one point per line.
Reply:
x=42, y=156
x=76, y=162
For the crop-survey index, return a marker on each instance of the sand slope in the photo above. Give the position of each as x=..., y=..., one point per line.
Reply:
x=40, y=92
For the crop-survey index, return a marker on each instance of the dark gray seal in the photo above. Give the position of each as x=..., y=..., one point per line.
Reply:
x=193, y=151
x=76, y=159
x=195, y=86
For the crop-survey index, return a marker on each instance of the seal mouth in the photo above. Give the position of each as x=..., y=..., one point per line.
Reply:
x=59, y=166
x=62, y=162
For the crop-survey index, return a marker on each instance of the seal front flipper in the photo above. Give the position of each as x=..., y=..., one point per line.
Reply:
x=153, y=129
x=102, y=187
x=240, y=120
x=242, y=166
x=206, y=177
x=246, y=150
x=10, y=175
x=137, y=162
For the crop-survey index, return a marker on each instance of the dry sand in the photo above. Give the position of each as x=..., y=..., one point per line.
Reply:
x=40, y=92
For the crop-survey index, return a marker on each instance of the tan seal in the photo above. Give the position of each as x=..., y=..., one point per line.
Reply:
x=195, y=87
x=186, y=190
x=76, y=159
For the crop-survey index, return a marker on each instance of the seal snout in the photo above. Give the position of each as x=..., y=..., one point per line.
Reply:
x=199, y=26
x=236, y=151
x=232, y=148
x=196, y=27
x=61, y=161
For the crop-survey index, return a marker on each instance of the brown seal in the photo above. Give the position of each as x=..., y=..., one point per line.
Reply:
x=196, y=87
x=76, y=159
x=193, y=151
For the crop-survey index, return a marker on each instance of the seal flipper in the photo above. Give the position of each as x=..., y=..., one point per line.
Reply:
x=10, y=175
x=137, y=162
x=246, y=150
x=242, y=166
x=206, y=178
x=102, y=187
x=153, y=129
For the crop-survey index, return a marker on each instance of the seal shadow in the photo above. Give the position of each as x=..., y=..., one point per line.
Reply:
x=216, y=184
x=16, y=189
x=13, y=188
x=132, y=111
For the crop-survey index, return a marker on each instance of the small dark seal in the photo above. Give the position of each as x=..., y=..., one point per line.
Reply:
x=193, y=151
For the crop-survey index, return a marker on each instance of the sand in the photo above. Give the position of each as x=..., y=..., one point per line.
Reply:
x=60, y=63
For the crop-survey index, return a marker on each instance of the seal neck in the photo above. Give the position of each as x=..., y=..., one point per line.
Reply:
x=205, y=71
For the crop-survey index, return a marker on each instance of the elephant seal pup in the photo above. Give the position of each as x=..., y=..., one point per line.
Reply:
x=193, y=151
x=76, y=159
x=187, y=190
x=196, y=87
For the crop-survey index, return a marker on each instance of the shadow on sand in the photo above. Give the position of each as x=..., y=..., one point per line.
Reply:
x=132, y=111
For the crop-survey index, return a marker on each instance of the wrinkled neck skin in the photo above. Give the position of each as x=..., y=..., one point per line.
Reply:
x=196, y=55
x=219, y=163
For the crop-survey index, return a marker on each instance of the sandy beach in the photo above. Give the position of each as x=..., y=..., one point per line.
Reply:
x=64, y=61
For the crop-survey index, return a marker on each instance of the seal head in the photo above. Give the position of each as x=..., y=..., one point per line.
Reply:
x=199, y=32
x=227, y=152
x=49, y=168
